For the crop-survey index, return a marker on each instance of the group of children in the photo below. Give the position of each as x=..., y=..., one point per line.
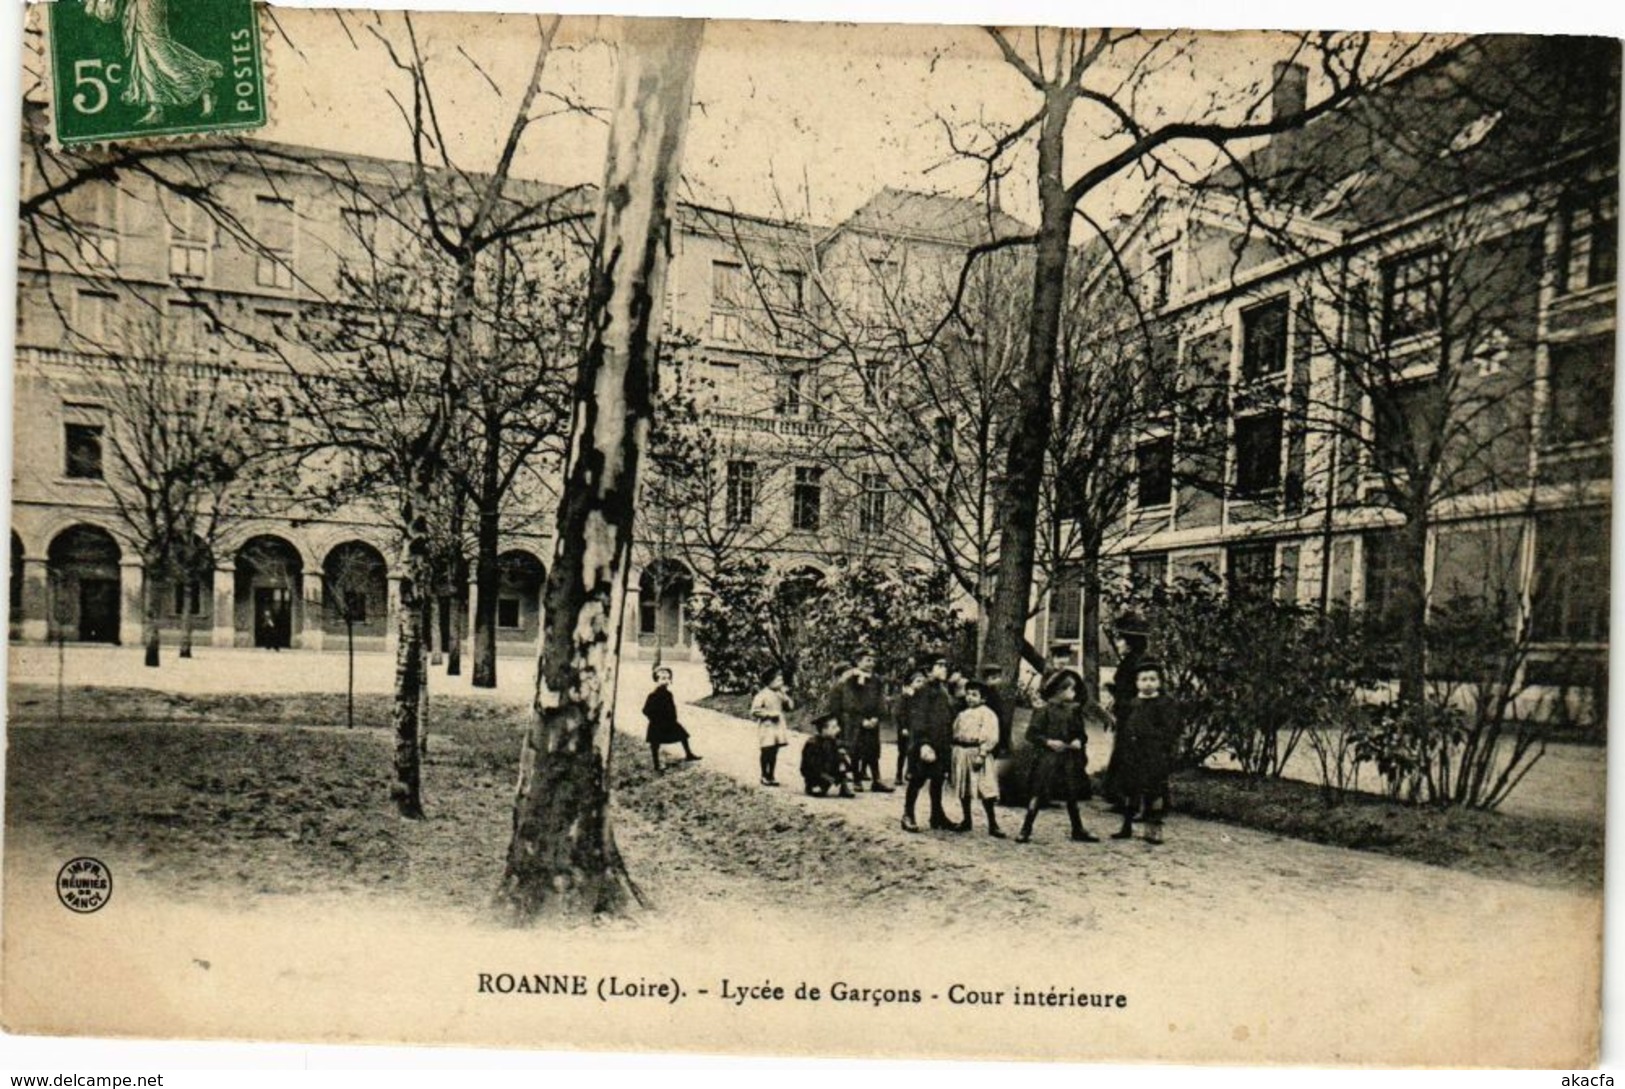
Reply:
x=951, y=730
x=949, y=735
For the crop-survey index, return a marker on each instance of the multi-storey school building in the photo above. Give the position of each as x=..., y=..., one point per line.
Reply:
x=745, y=297
x=1421, y=285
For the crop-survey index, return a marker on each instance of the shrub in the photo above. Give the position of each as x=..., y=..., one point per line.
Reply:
x=752, y=617
x=1252, y=676
x=902, y=613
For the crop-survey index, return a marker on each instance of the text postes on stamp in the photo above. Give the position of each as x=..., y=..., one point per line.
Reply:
x=132, y=69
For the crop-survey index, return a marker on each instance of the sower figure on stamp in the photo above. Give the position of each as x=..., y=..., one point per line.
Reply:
x=1060, y=754
x=1146, y=738
x=970, y=771
x=930, y=717
x=824, y=763
x=161, y=71
x=860, y=702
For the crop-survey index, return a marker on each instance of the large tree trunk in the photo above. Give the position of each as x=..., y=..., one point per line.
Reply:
x=1017, y=509
x=409, y=670
x=186, y=626
x=563, y=856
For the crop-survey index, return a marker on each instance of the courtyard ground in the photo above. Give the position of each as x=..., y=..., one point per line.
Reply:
x=252, y=832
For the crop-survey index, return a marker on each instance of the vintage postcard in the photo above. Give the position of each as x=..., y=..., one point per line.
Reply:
x=810, y=539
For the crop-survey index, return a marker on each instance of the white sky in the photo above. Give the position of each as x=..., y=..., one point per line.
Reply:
x=804, y=121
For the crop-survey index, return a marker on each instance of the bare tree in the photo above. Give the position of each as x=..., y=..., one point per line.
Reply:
x=563, y=855
x=180, y=443
x=1435, y=397
x=1075, y=74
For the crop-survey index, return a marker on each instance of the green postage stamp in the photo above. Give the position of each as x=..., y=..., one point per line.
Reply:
x=132, y=69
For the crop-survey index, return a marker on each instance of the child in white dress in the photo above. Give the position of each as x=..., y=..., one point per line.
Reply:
x=970, y=769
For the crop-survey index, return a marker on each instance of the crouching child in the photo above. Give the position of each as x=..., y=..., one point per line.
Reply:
x=825, y=764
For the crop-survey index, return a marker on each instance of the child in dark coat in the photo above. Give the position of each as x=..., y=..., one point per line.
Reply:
x=1060, y=754
x=661, y=711
x=824, y=761
x=1146, y=738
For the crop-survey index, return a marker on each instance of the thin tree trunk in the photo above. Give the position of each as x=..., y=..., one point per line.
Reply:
x=423, y=684
x=149, y=614
x=1017, y=509
x=563, y=856
x=459, y=617
x=1091, y=618
x=186, y=626
x=1413, y=609
x=349, y=680
x=488, y=584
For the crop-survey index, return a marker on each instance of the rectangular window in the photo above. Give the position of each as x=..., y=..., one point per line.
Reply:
x=1066, y=605
x=188, y=326
x=1263, y=340
x=1148, y=569
x=188, y=598
x=274, y=324
x=1382, y=561
x=191, y=237
x=84, y=451
x=807, y=501
x=728, y=292
x=355, y=606
x=508, y=614
x=360, y=227
x=90, y=214
x=274, y=235
x=1581, y=377
x=872, y=504
x=93, y=316
x=1404, y=418
x=793, y=403
x=788, y=290
x=1413, y=289
x=1571, y=577
x=1591, y=241
x=741, y=498
x=727, y=285
x=1162, y=278
x=1258, y=454
x=882, y=286
x=1154, y=472
x=1250, y=569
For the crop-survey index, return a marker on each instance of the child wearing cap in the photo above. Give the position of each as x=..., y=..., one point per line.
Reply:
x=824, y=763
x=929, y=718
x=1060, y=753
x=1146, y=737
x=772, y=731
x=970, y=769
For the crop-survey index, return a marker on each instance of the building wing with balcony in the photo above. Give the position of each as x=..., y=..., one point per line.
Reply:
x=1406, y=307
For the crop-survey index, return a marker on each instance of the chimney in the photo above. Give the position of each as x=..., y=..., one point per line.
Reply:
x=1289, y=93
